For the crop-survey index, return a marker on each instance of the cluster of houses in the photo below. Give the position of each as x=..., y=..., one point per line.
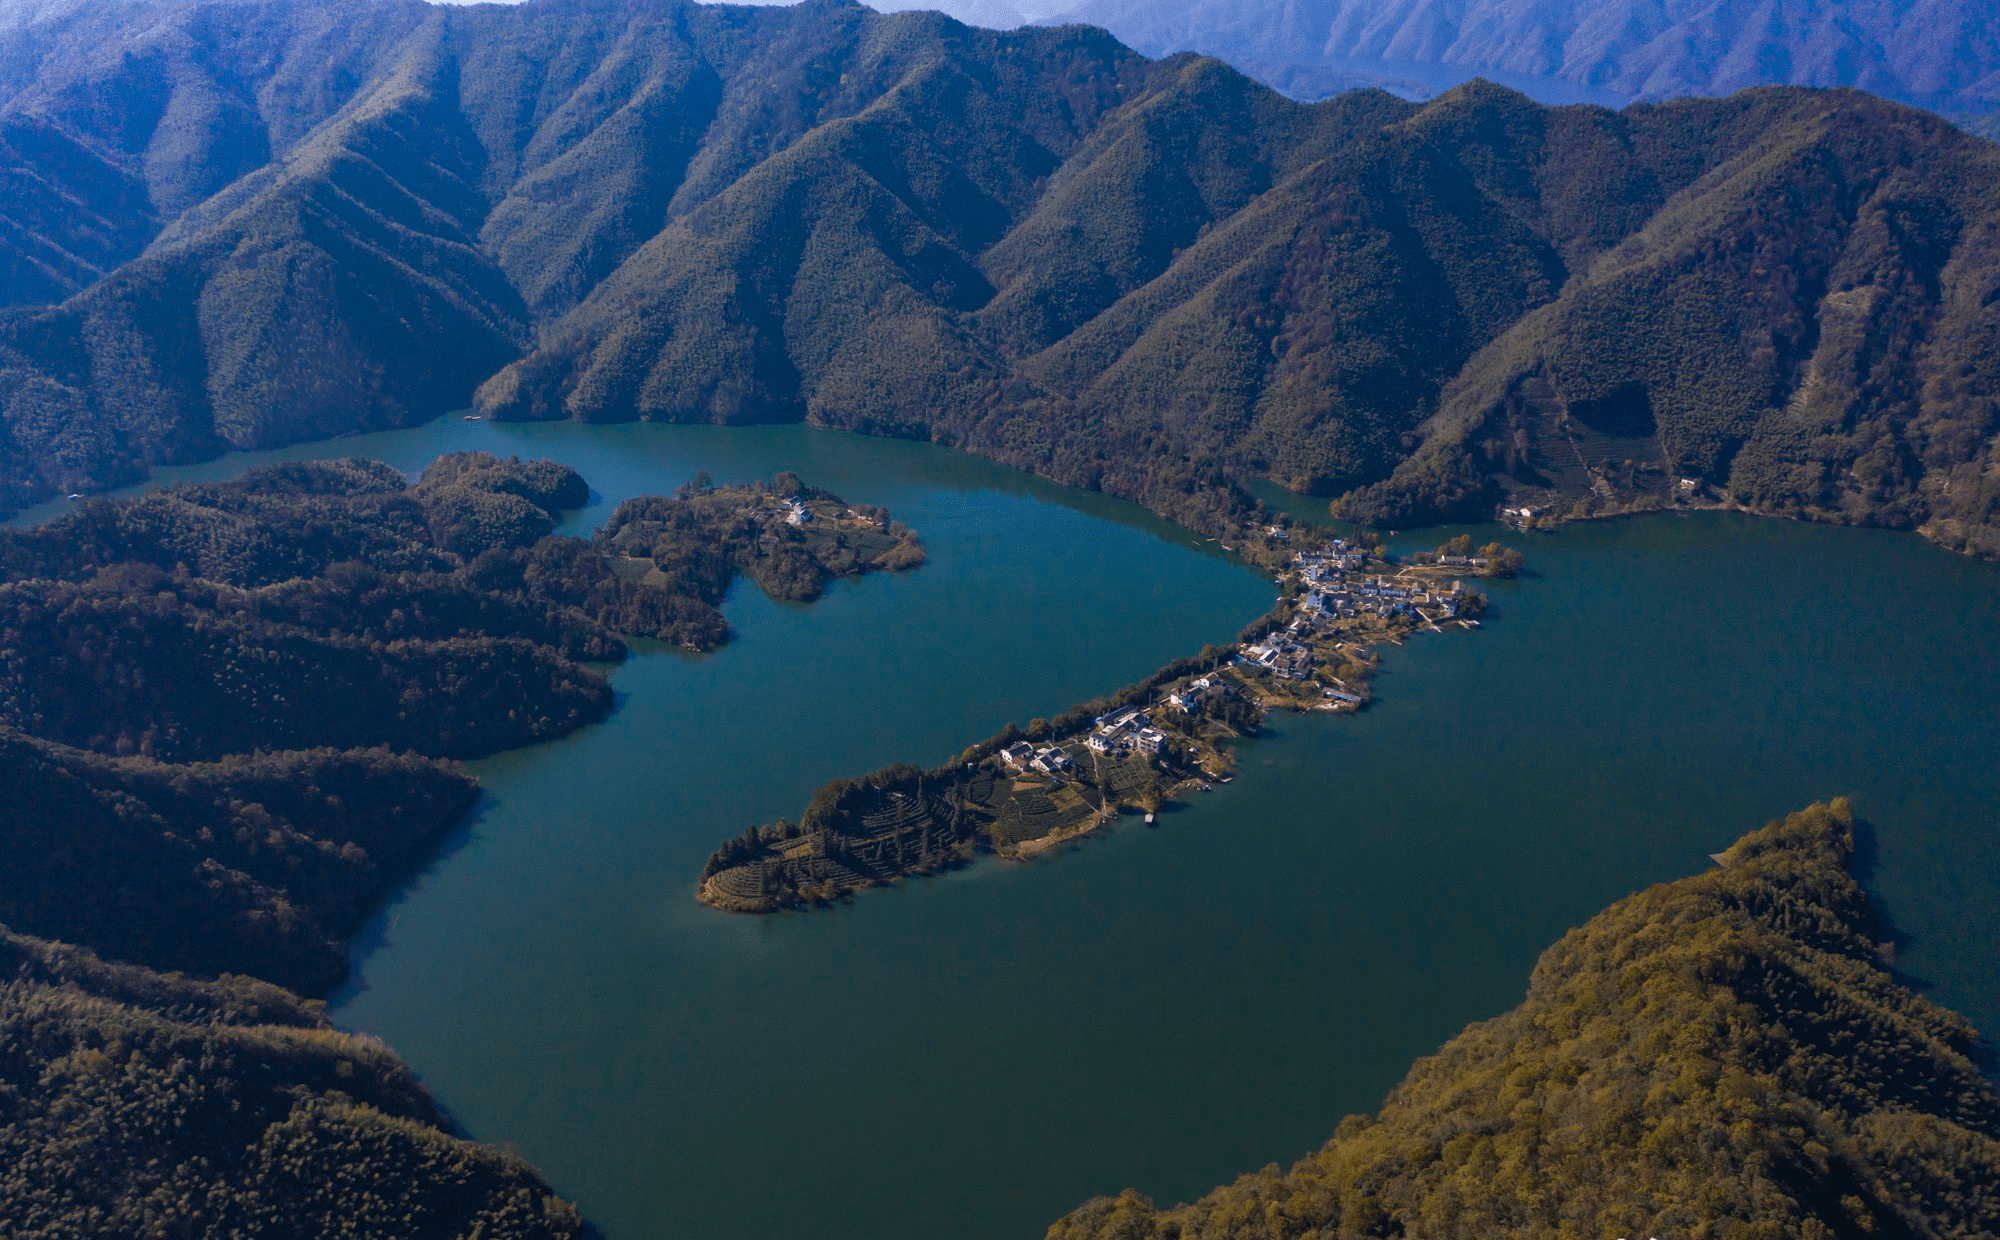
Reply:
x=1380, y=596
x=799, y=514
x=1189, y=697
x=1123, y=731
x=1049, y=759
x=1333, y=594
x=1288, y=654
x=1282, y=654
x=1330, y=565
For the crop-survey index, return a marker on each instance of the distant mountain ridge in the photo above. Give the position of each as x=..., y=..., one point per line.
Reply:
x=1936, y=54
x=245, y=222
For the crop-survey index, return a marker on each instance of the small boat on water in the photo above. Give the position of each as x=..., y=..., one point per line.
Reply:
x=471, y=417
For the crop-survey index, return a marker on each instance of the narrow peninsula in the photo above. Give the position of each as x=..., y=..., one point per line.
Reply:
x=1030, y=789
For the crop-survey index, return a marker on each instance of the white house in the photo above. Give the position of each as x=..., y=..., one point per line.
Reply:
x=1051, y=760
x=1117, y=719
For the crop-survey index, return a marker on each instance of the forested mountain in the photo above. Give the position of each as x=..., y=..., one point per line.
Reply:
x=1726, y=1055
x=304, y=606
x=323, y=215
x=134, y=1104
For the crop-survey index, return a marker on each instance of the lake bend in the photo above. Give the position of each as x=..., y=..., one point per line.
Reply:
x=1156, y=1007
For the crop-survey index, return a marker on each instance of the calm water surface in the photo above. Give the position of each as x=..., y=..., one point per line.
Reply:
x=1165, y=1007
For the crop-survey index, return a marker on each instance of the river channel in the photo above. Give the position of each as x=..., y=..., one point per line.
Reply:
x=1161, y=1007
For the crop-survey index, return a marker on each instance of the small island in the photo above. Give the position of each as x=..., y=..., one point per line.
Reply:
x=1030, y=789
x=786, y=536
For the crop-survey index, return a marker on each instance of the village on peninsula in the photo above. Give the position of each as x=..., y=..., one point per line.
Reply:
x=1028, y=790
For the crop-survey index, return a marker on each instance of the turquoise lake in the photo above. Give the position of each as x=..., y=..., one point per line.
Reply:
x=1162, y=1007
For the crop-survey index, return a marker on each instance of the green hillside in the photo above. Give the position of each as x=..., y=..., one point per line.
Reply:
x=136, y=1104
x=302, y=606
x=1728, y=1056
x=1149, y=277
x=258, y=864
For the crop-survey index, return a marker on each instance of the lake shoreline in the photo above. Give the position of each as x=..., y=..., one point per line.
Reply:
x=555, y=986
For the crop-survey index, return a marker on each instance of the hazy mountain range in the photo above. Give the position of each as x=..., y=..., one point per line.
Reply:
x=1938, y=54
x=1942, y=54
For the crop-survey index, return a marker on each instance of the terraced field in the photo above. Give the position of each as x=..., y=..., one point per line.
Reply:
x=1031, y=814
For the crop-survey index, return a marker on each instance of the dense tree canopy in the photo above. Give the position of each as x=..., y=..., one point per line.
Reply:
x=256, y=864
x=136, y=1104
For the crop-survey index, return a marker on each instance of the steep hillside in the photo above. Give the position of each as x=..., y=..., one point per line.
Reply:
x=1149, y=277
x=1807, y=329
x=200, y=688
x=1722, y=1056
x=258, y=864
x=137, y=1104
x=1781, y=297
x=121, y=116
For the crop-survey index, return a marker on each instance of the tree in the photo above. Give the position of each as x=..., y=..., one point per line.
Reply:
x=1505, y=561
